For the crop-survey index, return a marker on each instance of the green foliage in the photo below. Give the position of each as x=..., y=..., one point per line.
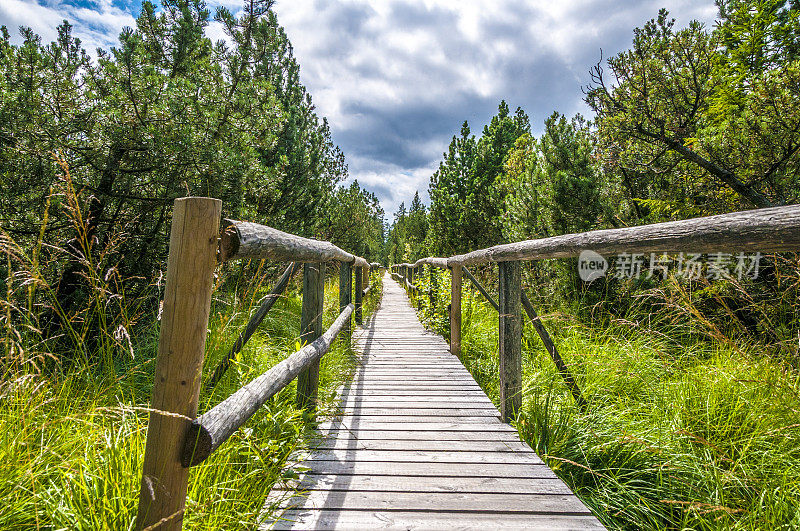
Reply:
x=466, y=193
x=681, y=433
x=109, y=144
x=353, y=220
x=72, y=441
x=706, y=121
x=554, y=184
x=407, y=235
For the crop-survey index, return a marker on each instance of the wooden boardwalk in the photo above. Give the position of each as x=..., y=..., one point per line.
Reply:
x=418, y=445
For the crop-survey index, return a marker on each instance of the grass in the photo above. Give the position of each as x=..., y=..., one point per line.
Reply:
x=72, y=440
x=679, y=435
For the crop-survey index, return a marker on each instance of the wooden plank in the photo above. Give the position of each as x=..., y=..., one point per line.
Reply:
x=359, y=420
x=416, y=436
x=310, y=330
x=441, y=502
x=346, y=293
x=359, y=294
x=367, y=434
x=427, y=426
x=181, y=348
x=510, y=349
x=418, y=412
x=414, y=468
x=243, y=239
x=413, y=402
x=424, y=392
x=423, y=456
x=455, y=311
x=345, y=443
x=429, y=484
x=370, y=520
x=417, y=402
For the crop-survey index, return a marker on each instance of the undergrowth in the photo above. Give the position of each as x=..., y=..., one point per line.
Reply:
x=72, y=435
x=679, y=434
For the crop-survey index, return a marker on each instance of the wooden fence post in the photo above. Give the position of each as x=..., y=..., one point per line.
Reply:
x=181, y=347
x=346, y=293
x=510, y=339
x=455, y=310
x=311, y=329
x=359, y=293
x=432, y=287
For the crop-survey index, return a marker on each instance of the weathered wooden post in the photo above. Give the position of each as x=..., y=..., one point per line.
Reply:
x=311, y=329
x=510, y=339
x=455, y=310
x=346, y=293
x=432, y=287
x=181, y=347
x=359, y=293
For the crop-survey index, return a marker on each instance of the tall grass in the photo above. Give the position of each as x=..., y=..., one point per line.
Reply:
x=73, y=423
x=71, y=445
x=680, y=434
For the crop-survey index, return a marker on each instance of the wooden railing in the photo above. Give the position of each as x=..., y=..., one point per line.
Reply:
x=176, y=438
x=763, y=230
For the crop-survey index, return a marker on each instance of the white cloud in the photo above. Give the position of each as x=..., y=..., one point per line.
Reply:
x=97, y=24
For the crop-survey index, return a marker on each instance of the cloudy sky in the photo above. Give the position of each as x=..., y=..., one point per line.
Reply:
x=396, y=78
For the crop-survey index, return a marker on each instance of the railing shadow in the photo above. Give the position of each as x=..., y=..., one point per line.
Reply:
x=316, y=481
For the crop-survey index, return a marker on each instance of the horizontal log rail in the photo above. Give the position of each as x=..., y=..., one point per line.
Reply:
x=432, y=261
x=215, y=426
x=764, y=230
x=243, y=239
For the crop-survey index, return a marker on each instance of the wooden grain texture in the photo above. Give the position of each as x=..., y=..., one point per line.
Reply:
x=181, y=347
x=763, y=230
x=346, y=294
x=310, y=329
x=455, y=311
x=243, y=239
x=215, y=426
x=510, y=342
x=413, y=438
x=359, y=294
x=430, y=484
x=432, y=261
x=370, y=520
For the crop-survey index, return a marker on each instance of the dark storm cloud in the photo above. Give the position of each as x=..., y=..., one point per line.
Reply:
x=402, y=135
x=398, y=78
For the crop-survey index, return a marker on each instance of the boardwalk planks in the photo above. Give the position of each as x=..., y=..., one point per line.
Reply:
x=417, y=445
